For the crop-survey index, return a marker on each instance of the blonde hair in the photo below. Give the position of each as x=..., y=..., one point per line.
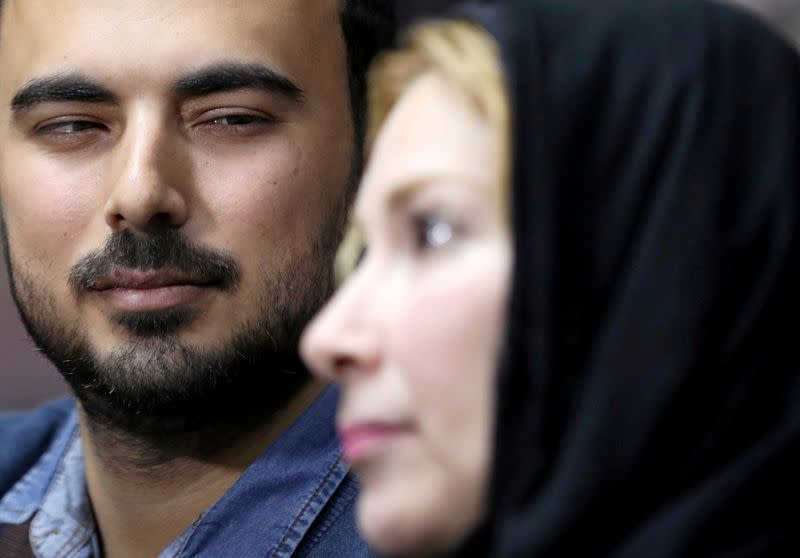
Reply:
x=460, y=51
x=466, y=55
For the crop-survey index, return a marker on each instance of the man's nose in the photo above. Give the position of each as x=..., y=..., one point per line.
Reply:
x=151, y=177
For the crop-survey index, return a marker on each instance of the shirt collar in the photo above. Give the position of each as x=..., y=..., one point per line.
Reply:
x=24, y=499
x=271, y=506
x=64, y=525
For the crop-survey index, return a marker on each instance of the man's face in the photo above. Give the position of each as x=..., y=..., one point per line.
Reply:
x=173, y=176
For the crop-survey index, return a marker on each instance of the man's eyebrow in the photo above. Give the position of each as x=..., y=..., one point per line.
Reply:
x=60, y=88
x=230, y=76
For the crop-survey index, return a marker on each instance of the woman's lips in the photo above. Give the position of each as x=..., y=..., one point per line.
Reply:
x=365, y=439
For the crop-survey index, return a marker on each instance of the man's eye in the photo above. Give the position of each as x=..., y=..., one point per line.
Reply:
x=239, y=120
x=432, y=232
x=69, y=127
x=237, y=124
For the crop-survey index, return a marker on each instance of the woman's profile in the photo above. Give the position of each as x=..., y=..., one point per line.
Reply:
x=617, y=307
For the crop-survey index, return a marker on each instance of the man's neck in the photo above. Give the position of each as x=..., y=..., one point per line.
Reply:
x=142, y=505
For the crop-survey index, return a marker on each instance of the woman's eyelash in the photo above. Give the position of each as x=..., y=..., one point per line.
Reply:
x=360, y=255
x=351, y=253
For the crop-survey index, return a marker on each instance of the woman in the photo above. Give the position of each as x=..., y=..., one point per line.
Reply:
x=649, y=393
x=413, y=335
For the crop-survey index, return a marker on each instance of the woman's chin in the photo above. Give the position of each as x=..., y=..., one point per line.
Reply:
x=400, y=524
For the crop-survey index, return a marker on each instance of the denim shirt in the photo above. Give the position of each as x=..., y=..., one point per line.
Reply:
x=296, y=500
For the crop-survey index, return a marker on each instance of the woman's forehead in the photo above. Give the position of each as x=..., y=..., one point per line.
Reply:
x=433, y=132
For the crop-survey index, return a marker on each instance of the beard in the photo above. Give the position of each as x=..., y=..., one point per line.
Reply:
x=157, y=388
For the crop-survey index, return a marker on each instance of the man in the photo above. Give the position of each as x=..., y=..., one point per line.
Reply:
x=174, y=176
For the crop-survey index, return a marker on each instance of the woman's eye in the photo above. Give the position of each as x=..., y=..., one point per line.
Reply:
x=431, y=232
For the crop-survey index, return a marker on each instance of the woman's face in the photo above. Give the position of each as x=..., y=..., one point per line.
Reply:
x=413, y=335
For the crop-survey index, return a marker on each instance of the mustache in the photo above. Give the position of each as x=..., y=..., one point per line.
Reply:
x=163, y=249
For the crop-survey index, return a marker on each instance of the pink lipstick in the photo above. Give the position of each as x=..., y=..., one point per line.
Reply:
x=363, y=440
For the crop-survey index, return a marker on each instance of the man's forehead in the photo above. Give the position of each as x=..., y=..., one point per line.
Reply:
x=143, y=10
x=47, y=36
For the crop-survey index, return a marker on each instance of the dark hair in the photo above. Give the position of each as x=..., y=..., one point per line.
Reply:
x=368, y=27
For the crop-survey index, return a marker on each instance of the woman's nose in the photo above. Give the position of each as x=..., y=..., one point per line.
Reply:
x=341, y=342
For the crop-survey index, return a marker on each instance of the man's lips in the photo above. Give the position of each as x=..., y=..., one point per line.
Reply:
x=361, y=440
x=148, y=291
x=132, y=279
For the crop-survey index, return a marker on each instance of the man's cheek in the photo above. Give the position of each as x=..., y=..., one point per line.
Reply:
x=50, y=204
x=260, y=192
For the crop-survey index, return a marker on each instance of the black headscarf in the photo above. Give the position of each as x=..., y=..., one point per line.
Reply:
x=411, y=11
x=649, y=396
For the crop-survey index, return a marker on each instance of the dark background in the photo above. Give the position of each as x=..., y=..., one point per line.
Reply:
x=26, y=378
